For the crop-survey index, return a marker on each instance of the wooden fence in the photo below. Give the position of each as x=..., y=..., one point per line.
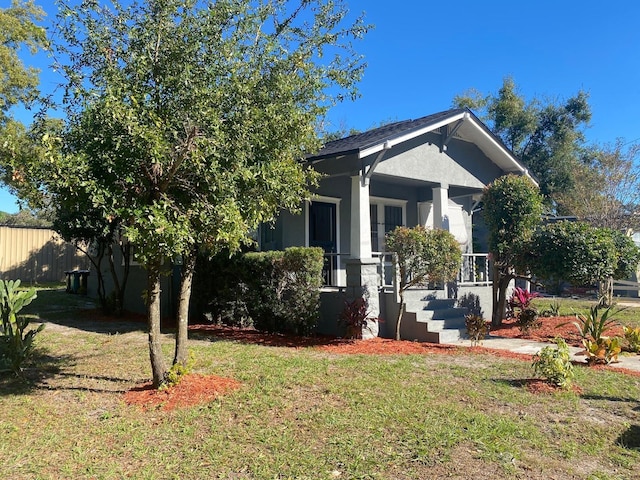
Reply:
x=37, y=255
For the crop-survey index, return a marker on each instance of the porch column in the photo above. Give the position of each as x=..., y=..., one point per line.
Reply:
x=362, y=270
x=441, y=207
x=360, y=218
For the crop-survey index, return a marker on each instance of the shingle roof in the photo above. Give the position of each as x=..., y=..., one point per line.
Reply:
x=377, y=136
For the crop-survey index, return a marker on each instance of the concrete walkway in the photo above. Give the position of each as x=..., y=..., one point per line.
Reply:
x=531, y=347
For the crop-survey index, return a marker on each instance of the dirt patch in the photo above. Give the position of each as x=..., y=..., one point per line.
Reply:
x=540, y=386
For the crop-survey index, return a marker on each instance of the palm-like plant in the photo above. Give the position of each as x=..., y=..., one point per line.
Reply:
x=592, y=329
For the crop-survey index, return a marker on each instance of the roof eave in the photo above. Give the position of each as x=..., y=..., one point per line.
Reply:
x=410, y=135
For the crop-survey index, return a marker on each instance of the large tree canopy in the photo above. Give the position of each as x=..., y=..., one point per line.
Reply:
x=186, y=120
x=18, y=83
x=545, y=135
x=606, y=190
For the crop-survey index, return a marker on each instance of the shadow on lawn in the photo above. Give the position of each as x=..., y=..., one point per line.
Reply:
x=630, y=438
x=41, y=368
x=81, y=312
x=93, y=320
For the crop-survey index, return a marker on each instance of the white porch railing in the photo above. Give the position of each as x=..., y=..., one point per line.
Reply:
x=475, y=269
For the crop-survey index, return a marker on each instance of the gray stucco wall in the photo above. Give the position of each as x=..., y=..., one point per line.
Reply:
x=462, y=164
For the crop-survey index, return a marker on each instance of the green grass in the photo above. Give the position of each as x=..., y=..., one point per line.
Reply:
x=303, y=413
x=628, y=309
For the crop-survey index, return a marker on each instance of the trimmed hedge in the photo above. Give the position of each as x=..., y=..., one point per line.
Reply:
x=272, y=291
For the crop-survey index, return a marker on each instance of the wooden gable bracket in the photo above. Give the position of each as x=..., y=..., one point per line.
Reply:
x=367, y=172
x=446, y=137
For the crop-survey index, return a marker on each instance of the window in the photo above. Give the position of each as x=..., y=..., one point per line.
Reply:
x=386, y=215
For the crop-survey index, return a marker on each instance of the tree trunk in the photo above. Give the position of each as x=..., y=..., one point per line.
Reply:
x=158, y=364
x=118, y=286
x=500, y=283
x=496, y=314
x=606, y=292
x=502, y=301
x=400, y=314
x=97, y=265
x=182, y=333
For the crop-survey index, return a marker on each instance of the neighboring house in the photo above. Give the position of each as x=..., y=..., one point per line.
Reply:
x=430, y=171
x=37, y=255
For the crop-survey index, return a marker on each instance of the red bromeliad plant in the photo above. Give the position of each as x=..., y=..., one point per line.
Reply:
x=521, y=298
x=526, y=313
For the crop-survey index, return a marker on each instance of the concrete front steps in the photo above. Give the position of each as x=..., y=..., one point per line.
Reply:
x=429, y=317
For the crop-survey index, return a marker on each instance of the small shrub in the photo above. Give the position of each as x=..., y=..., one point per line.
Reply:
x=554, y=364
x=521, y=299
x=178, y=371
x=354, y=317
x=525, y=313
x=605, y=350
x=528, y=319
x=477, y=328
x=632, y=337
x=16, y=341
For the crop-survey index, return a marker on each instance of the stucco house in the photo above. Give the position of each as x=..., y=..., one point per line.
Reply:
x=430, y=171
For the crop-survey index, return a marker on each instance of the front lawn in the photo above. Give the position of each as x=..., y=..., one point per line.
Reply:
x=305, y=413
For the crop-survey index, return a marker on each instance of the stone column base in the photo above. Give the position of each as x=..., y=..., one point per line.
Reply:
x=363, y=281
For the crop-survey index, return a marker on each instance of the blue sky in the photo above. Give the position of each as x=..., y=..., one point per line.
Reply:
x=422, y=53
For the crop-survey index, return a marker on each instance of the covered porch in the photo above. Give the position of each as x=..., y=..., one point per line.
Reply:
x=430, y=171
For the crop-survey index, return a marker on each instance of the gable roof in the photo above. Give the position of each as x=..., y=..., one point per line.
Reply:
x=469, y=128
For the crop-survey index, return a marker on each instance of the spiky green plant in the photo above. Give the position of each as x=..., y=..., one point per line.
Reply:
x=16, y=341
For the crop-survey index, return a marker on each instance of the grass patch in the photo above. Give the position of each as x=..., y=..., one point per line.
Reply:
x=629, y=315
x=303, y=413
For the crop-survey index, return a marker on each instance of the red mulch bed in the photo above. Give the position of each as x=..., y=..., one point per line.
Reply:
x=192, y=390
x=374, y=346
x=538, y=386
x=551, y=327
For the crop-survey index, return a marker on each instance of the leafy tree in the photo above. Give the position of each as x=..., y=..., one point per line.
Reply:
x=606, y=190
x=25, y=218
x=512, y=208
x=18, y=83
x=423, y=257
x=582, y=254
x=546, y=136
x=573, y=251
x=186, y=121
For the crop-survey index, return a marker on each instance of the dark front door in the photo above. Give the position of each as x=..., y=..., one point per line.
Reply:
x=322, y=233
